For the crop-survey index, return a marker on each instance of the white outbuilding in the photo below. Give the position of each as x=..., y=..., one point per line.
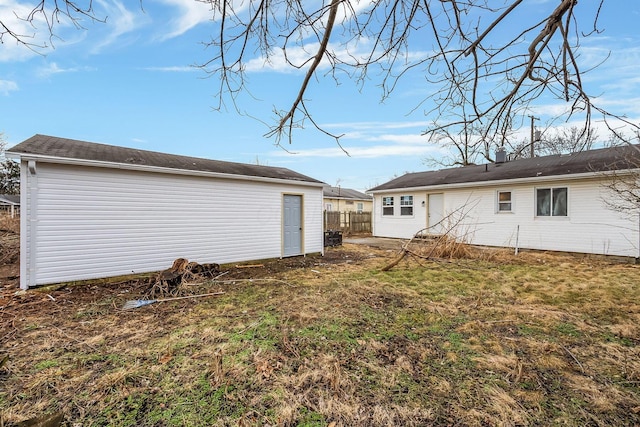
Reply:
x=93, y=210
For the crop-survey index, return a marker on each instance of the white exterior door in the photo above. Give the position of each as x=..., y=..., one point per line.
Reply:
x=435, y=213
x=292, y=226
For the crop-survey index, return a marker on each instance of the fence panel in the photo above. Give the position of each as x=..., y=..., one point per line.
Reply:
x=359, y=222
x=331, y=220
x=348, y=222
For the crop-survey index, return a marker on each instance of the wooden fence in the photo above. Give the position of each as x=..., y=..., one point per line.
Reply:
x=348, y=222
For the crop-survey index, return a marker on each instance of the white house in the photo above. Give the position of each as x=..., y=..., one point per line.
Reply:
x=346, y=200
x=557, y=203
x=94, y=210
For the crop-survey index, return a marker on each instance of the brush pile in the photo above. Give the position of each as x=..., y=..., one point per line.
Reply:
x=168, y=282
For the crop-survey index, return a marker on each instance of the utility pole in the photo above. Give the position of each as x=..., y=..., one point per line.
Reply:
x=533, y=151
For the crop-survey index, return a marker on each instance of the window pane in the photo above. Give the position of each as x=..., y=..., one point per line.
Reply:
x=543, y=202
x=406, y=200
x=406, y=210
x=559, y=202
x=504, y=201
x=387, y=210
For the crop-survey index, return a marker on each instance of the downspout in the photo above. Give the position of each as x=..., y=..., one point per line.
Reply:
x=31, y=223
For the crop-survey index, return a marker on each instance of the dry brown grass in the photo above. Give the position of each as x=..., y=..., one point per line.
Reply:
x=7, y=223
x=9, y=239
x=537, y=339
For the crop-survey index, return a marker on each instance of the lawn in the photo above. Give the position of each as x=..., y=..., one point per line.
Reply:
x=488, y=340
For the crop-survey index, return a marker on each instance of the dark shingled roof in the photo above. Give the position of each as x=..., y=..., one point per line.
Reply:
x=601, y=160
x=345, y=193
x=50, y=146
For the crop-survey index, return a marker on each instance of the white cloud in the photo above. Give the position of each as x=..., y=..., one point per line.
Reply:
x=401, y=139
x=53, y=68
x=300, y=56
x=172, y=69
x=188, y=14
x=374, y=151
x=36, y=32
x=383, y=143
x=120, y=21
x=378, y=125
x=7, y=86
x=13, y=14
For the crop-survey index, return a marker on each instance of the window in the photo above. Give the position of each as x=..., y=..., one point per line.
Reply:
x=406, y=205
x=551, y=201
x=359, y=207
x=328, y=207
x=387, y=206
x=504, y=201
x=349, y=202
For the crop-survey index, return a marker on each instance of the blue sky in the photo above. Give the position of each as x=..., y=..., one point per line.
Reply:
x=131, y=82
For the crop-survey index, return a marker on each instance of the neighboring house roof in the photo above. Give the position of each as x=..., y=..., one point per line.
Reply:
x=10, y=199
x=344, y=193
x=561, y=165
x=43, y=146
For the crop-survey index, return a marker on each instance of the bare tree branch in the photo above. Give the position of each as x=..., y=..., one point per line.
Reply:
x=485, y=65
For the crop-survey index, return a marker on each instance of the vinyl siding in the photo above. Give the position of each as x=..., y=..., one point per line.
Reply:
x=398, y=225
x=590, y=226
x=100, y=222
x=341, y=205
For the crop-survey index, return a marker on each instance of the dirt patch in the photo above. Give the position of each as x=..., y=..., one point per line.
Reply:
x=140, y=284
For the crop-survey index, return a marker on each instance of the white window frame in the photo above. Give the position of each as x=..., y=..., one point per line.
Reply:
x=328, y=207
x=360, y=207
x=551, y=202
x=406, y=205
x=386, y=205
x=503, y=203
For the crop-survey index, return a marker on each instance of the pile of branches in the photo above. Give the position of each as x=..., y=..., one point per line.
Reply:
x=169, y=282
x=432, y=247
x=450, y=243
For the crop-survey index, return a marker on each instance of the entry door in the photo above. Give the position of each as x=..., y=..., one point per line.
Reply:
x=435, y=213
x=292, y=226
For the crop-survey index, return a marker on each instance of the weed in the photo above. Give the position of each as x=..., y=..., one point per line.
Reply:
x=569, y=330
x=45, y=364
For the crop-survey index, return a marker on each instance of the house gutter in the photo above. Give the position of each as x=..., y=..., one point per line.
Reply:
x=156, y=169
x=500, y=182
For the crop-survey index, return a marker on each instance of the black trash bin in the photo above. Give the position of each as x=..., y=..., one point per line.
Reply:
x=332, y=238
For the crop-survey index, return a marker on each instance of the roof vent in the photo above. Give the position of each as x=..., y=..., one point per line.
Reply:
x=501, y=155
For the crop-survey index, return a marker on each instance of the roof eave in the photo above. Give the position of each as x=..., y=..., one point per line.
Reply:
x=157, y=169
x=511, y=181
x=348, y=198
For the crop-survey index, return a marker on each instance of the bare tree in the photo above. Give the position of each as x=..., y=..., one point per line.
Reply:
x=9, y=171
x=466, y=143
x=474, y=61
x=623, y=183
x=494, y=58
x=556, y=141
x=51, y=13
